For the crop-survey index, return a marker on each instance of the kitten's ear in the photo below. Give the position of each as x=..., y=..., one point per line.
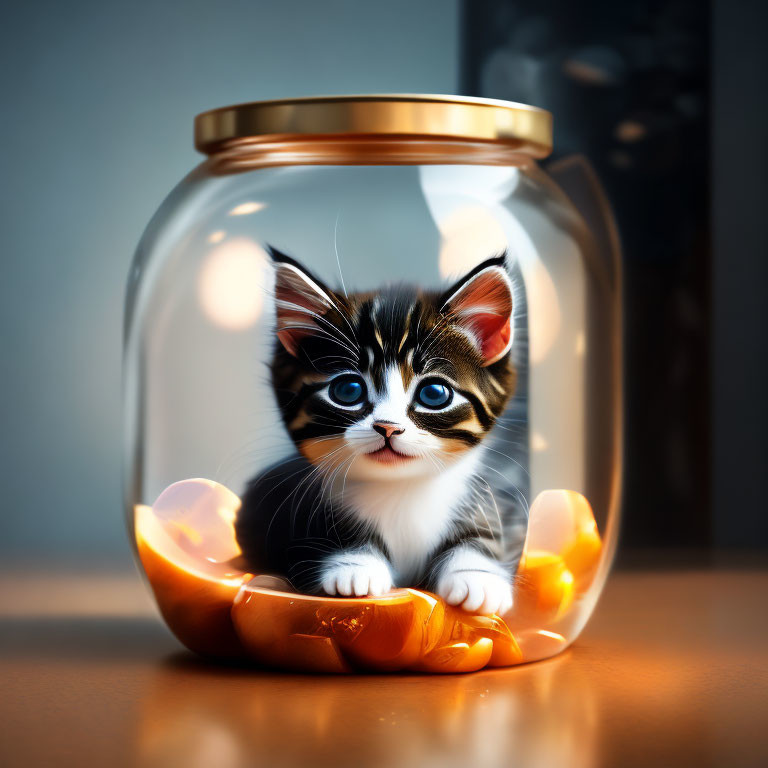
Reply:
x=301, y=300
x=481, y=305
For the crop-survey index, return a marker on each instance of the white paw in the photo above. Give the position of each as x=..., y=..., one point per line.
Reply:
x=476, y=591
x=356, y=574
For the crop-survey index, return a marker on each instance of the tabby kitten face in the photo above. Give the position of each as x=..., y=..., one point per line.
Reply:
x=394, y=384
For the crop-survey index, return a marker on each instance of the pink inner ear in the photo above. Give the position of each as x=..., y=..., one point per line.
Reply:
x=483, y=307
x=291, y=340
x=293, y=325
x=298, y=307
x=493, y=333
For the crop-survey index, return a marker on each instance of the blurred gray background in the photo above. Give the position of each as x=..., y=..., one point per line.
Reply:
x=97, y=107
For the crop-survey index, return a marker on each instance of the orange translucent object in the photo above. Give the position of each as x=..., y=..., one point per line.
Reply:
x=186, y=542
x=545, y=586
x=381, y=633
x=194, y=596
x=582, y=556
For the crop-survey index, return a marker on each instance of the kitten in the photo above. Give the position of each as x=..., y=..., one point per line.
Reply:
x=388, y=397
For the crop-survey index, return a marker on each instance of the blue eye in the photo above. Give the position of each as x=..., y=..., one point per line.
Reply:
x=347, y=390
x=434, y=395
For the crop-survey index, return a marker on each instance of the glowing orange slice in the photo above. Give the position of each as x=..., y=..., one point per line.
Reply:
x=385, y=633
x=545, y=587
x=186, y=541
x=457, y=649
x=562, y=522
x=458, y=657
x=194, y=593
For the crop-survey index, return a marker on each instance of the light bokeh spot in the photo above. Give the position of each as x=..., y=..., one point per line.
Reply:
x=232, y=284
x=245, y=208
x=470, y=235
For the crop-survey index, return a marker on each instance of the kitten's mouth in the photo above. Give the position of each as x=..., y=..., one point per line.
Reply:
x=388, y=455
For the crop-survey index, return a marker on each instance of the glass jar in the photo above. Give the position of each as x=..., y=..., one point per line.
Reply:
x=373, y=388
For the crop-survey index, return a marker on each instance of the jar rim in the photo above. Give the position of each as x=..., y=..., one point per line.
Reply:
x=520, y=128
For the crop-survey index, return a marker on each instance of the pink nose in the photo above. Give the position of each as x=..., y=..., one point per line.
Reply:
x=387, y=428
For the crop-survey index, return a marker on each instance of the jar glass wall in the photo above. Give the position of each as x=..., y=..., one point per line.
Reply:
x=203, y=417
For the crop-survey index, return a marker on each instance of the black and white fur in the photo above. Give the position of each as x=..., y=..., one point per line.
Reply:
x=337, y=518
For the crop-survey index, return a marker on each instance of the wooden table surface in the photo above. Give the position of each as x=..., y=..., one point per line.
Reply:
x=672, y=671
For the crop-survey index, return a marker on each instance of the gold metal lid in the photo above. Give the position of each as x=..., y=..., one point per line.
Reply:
x=496, y=124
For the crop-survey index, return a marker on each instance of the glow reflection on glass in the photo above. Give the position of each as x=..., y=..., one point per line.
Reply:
x=232, y=282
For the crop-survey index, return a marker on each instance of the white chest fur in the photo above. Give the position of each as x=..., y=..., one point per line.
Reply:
x=412, y=515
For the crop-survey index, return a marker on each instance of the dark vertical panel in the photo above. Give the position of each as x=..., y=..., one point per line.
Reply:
x=628, y=84
x=740, y=272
